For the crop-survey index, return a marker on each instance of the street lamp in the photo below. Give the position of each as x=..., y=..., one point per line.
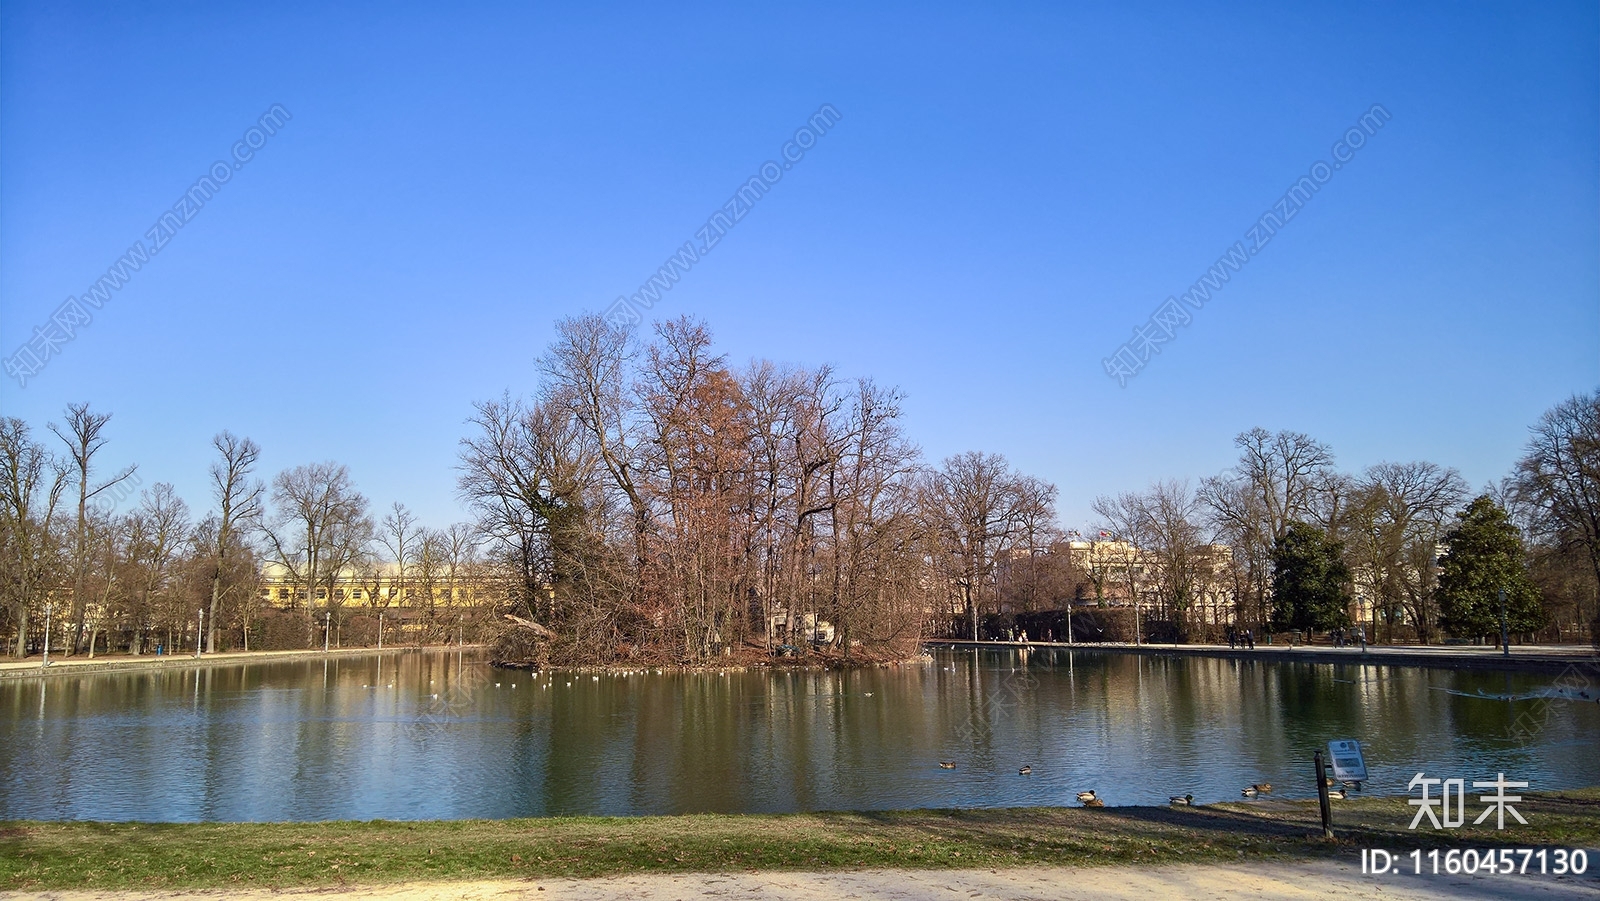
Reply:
x=380, y=630
x=48, y=610
x=199, y=633
x=327, y=627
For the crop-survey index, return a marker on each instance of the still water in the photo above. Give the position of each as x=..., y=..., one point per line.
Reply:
x=428, y=735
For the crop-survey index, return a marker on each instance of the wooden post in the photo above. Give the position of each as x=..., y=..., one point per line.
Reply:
x=1322, y=798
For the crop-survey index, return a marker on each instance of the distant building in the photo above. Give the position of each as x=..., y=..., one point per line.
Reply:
x=379, y=588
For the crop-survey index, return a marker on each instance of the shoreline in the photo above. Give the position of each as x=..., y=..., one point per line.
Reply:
x=31, y=668
x=1554, y=658
x=1535, y=658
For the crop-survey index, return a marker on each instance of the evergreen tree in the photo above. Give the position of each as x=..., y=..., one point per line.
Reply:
x=1485, y=555
x=1310, y=581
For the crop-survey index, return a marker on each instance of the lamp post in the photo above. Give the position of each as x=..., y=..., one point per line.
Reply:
x=199, y=633
x=380, y=630
x=327, y=627
x=48, y=610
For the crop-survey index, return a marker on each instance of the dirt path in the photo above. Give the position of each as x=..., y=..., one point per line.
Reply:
x=1289, y=881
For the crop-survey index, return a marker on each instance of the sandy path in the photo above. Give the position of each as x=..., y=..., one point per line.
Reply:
x=1286, y=881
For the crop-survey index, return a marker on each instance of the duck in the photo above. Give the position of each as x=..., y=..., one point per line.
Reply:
x=1263, y=787
x=1336, y=794
x=1250, y=792
x=1025, y=771
x=1184, y=800
x=1348, y=784
x=1094, y=802
x=947, y=764
x=1086, y=797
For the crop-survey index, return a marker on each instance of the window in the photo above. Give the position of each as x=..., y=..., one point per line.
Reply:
x=322, y=594
x=355, y=593
x=411, y=592
x=283, y=594
x=338, y=594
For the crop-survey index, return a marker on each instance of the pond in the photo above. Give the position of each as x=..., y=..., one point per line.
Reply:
x=440, y=735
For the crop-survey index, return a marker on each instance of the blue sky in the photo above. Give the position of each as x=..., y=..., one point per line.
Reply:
x=1009, y=192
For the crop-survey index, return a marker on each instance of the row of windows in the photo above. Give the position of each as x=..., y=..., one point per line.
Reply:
x=357, y=593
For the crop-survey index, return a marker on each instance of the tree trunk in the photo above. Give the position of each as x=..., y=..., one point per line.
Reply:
x=80, y=562
x=20, y=650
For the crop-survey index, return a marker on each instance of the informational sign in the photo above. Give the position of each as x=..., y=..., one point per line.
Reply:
x=1348, y=764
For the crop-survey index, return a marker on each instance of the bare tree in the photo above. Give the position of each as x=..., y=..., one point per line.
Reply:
x=158, y=530
x=319, y=528
x=400, y=535
x=238, y=497
x=974, y=504
x=1280, y=478
x=588, y=368
x=83, y=437
x=31, y=482
x=1557, y=482
x=528, y=475
x=1399, y=513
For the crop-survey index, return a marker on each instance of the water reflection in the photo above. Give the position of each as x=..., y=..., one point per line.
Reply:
x=443, y=735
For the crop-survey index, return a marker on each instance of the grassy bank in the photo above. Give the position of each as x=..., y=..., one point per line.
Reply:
x=41, y=856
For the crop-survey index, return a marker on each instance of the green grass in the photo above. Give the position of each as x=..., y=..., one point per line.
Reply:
x=44, y=856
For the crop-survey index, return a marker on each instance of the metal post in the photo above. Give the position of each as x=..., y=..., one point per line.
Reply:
x=1505, y=636
x=200, y=633
x=380, y=630
x=48, y=610
x=1069, y=623
x=327, y=627
x=1322, y=799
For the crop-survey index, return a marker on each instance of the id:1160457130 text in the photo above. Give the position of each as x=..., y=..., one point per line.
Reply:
x=1467, y=861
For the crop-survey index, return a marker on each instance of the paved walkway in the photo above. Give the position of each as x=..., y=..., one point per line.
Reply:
x=1285, y=881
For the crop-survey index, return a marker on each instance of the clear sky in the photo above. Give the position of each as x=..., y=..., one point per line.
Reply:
x=1010, y=191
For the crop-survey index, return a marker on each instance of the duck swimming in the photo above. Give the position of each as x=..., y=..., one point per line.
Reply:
x=1182, y=800
x=947, y=764
x=1025, y=771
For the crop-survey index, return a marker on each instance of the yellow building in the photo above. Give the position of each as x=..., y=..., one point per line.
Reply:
x=379, y=588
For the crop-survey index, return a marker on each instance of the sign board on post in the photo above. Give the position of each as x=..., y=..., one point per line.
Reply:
x=1348, y=764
